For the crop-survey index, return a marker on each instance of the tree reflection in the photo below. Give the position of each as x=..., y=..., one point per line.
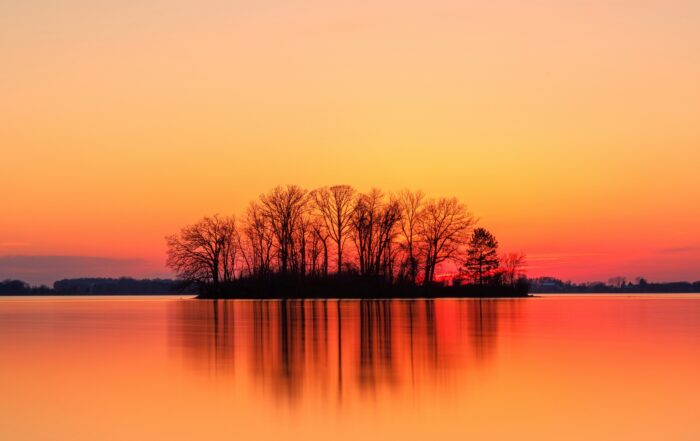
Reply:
x=338, y=348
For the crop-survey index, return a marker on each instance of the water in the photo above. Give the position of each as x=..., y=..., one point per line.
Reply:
x=548, y=368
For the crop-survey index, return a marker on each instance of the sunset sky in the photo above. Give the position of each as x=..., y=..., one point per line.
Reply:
x=570, y=128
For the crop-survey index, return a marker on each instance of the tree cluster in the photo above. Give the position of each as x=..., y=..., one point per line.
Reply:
x=290, y=232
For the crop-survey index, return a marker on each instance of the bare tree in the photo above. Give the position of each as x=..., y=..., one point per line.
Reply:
x=303, y=240
x=411, y=203
x=320, y=233
x=284, y=208
x=373, y=229
x=231, y=249
x=617, y=282
x=318, y=247
x=258, y=236
x=205, y=252
x=513, y=265
x=335, y=205
x=442, y=229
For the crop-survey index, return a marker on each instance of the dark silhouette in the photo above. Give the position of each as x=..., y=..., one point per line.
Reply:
x=11, y=287
x=205, y=252
x=335, y=205
x=343, y=285
x=482, y=256
x=285, y=208
x=512, y=267
x=281, y=249
x=552, y=285
x=373, y=228
x=411, y=204
x=123, y=285
x=443, y=227
x=94, y=286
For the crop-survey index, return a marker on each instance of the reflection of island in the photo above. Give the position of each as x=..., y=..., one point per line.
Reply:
x=338, y=347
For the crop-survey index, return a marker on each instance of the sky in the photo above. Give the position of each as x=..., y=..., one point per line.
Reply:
x=570, y=128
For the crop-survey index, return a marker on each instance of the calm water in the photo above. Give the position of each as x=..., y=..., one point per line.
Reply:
x=549, y=368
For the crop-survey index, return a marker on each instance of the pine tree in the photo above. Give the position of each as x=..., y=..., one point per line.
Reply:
x=482, y=256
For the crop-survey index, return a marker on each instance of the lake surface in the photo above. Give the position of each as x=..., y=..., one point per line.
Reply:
x=167, y=368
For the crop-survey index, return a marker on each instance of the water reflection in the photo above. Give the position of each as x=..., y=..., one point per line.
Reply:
x=572, y=368
x=335, y=348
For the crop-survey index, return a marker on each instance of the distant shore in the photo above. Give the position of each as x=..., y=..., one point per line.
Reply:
x=343, y=288
x=376, y=295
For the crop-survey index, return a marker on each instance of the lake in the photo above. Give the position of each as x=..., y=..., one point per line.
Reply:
x=556, y=367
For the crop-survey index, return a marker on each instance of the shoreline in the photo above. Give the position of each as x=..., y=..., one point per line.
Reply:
x=425, y=297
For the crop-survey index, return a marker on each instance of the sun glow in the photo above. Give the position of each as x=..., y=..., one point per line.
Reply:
x=570, y=130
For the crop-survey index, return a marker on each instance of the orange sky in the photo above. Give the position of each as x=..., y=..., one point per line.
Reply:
x=570, y=128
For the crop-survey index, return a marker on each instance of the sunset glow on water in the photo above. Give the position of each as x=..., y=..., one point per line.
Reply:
x=546, y=368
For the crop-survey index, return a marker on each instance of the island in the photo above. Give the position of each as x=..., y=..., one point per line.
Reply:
x=335, y=242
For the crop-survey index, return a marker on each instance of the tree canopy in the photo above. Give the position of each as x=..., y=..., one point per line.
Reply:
x=400, y=238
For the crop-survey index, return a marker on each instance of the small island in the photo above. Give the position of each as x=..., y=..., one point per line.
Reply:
x=335, y=242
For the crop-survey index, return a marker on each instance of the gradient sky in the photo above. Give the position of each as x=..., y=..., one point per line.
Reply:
x=571, y=128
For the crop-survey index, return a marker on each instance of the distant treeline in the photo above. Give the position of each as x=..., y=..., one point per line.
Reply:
x=94, y=286
x=345, y=286
x=338, y=242
x=552, y=285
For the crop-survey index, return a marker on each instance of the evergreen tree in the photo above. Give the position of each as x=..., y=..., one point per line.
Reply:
x=482, y=256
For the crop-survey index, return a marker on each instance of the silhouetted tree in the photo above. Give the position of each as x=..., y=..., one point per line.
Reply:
x=230, y=252
x=617, y=282
x=205, y=252
x=302, y=240
x=320, y=234
x=316, y=246
x=335, y=205
x=284, y=208
x=373, y=229
x=482, y=257
x=258, y=240
x=411, y=203
x=442, y=228
x=513, y=265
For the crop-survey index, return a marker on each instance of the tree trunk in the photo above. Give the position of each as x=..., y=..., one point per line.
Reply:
x=325, y=259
